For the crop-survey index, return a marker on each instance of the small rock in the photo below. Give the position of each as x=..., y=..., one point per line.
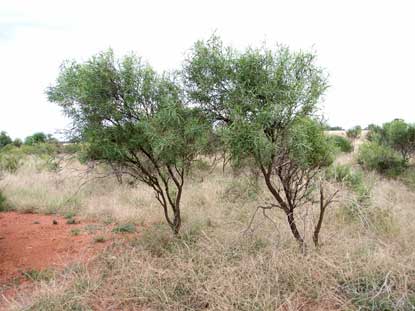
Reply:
x=36, y=222
x=1, y=237
x=54, y=222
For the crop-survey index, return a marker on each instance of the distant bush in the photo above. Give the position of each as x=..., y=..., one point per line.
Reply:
x=36, y=138
x=342, y=143
x=375, y=133
x=11, y=157
x=10, y=161
x=17, y=142
x=4, y=139
x=351, y=178
x=70, y=148
x=397, y=135
x=334, y=128
x=40, y=149
x=400, y=136
x=380, y=158
x=354, y=132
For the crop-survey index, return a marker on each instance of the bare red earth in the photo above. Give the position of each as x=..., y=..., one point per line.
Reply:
x=31, y=241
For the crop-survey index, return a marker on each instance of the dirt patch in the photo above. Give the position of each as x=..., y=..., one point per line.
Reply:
x=30, y=243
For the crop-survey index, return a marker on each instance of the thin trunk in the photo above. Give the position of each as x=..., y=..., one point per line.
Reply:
x=177, y=223
x=294, y=230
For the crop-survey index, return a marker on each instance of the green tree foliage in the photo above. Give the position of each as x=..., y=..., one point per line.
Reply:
x=4, y=139
x=397, y=135
x=375, y=133
x=263, y=102
x=400, y=136
x=134, y=119
x=382, y=158
x=36, y=138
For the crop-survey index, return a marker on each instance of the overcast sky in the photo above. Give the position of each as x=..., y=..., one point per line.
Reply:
x=367, y=47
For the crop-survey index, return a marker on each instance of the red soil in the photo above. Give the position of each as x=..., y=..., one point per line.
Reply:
x=31, y=242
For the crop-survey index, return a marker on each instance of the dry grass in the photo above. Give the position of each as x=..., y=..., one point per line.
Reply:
x=366, y=261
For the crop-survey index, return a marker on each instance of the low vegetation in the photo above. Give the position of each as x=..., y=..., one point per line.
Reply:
x=342, y=143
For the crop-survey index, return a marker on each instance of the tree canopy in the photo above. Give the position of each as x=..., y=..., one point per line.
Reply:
x=134, y=118
x=265, y=102
x=4, y=139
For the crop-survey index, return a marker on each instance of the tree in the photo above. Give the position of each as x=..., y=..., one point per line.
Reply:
x=4, y=139
x=400, y=136
x=36, y=138
x=264, y=101
x=131, y=117
x=375, y=133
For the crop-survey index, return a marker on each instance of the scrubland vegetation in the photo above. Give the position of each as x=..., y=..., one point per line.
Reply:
x=241, y=201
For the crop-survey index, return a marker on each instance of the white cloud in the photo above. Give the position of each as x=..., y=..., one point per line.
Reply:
x=366, y=47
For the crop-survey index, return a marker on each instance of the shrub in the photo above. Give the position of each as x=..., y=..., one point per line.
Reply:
x=125, y=228
x=401, y=137
x=17, y=142
x=408, y=177
x=352, y=179
x=3, y=203
x=39, y=275
x=70, y=148
x=10, y=161
x=354, y=132
x=380, y=158
x=375, y=133
x=75, y=231
x=342, y=143
x=4, y=139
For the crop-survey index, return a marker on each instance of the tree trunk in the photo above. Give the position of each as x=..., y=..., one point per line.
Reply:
x=294, y=230
x=177, y=223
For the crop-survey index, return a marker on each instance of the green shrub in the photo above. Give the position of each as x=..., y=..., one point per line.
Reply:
x=354, y=132
x=351, y=178
x=10, y=161
x=75, y=231
x=125, y=228
x=4, y=139
x=368, y=292
x=70, y=148
x=342, y=143
x=3, y=203
x=381, y=158
x=38, y=275
x=156, y=239
x=40, y=149
x=408, y=177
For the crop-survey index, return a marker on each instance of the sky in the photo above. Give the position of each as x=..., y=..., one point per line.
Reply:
x=366, y=47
